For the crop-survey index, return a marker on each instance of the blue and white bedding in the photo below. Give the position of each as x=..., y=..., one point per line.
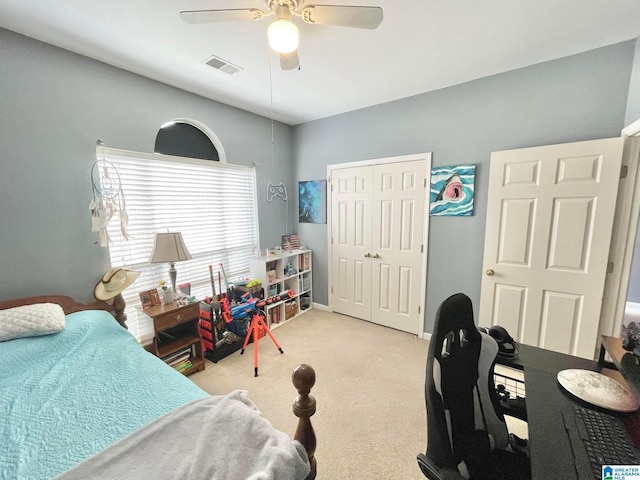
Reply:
x=66, y=396
x=89, y=402
x=223, y=437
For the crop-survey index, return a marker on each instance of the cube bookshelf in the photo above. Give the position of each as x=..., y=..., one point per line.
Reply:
x=282, y=272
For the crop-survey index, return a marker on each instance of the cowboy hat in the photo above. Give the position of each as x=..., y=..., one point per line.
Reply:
x=113, y=282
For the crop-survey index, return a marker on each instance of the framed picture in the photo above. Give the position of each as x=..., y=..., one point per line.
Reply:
x=312, y=201
x=149, y=298
x=155, y=297
x=145, y=299
x=452, y=190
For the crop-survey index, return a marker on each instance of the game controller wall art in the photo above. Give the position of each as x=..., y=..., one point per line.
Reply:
x=312, y=201
x=279, y=190
x=452, y=190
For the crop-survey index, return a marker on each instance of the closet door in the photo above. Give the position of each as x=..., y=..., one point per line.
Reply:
x=377, y=228
x=351, y=198
x=396, y=262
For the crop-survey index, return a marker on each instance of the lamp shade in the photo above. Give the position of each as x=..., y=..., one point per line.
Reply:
x=169, y=247
x=283, y=36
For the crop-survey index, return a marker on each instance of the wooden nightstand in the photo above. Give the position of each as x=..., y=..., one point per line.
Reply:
x=176, y=333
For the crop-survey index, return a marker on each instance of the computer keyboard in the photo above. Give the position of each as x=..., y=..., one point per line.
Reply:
x=598, y=439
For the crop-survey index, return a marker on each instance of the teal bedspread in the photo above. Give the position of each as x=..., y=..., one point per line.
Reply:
x=67, y=396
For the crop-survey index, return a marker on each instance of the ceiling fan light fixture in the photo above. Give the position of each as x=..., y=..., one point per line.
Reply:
x=283, y=36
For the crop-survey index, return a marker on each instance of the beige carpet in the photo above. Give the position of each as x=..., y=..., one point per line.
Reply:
x=370, y=419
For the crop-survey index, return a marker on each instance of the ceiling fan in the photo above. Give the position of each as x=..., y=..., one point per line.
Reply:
x=283, y=33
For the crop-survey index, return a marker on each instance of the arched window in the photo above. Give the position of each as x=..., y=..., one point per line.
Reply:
x=184, y=137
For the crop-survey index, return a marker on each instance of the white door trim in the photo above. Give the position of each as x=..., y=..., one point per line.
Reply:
x=381, y=161
x=623, y=237
x=631, y=130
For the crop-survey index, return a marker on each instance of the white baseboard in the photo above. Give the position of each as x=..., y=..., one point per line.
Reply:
x=322, y=307
x=425, y=336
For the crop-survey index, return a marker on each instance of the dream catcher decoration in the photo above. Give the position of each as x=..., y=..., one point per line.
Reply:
x=108, y=199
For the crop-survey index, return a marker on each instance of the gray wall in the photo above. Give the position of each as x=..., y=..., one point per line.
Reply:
x=633, y=290
x=575, y=98
x=55, y=105
x=633, y=102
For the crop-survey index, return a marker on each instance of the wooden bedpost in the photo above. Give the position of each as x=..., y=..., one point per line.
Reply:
x=118, y=307
x=304, y=406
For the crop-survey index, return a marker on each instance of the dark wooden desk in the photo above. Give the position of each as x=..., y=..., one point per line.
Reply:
x=546, y=361
x=549, y=445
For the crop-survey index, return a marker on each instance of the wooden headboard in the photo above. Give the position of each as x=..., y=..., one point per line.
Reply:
x=68, y=304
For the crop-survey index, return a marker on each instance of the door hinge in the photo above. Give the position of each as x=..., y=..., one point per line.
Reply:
x=422, y=248
x=624, y=171
x=419, y=309
x=425, y=183
x=331, y=290
x=610, y=266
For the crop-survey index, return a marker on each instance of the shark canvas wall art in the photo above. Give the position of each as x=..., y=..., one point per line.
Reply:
x=452, y=190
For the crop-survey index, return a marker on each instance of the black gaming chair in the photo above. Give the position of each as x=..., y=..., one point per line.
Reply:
x=467, y=437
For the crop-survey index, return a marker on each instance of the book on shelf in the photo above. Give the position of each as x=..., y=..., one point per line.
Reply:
x=187, y=351
x=303, y=262
x=182, y=365
x=274, y=315
x=180, y=359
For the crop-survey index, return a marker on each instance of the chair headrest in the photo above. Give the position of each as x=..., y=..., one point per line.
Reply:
x=454, y=326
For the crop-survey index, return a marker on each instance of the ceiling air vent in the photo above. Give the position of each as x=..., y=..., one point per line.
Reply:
x=222, y=65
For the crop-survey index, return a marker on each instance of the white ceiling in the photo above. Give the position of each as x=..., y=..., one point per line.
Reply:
x=421, y=45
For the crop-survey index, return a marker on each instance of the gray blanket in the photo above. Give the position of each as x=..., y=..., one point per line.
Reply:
x=215, y=438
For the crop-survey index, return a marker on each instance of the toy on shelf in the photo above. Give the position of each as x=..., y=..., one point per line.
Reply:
x=290, y=270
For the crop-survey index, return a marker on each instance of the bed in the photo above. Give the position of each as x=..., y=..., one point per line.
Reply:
x=84, y=400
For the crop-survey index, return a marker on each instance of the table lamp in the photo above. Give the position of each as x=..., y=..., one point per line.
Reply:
x=169, y=247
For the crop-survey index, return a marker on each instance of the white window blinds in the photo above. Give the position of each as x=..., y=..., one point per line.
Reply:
x=213, y=205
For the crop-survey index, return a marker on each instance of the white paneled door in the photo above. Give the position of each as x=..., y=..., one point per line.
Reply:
x=377, y=251
x=550, y=214
x=351, y=241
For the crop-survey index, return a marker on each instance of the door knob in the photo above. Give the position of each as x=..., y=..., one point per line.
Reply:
x=375, y=255
x=489, y=272
x=367, y=255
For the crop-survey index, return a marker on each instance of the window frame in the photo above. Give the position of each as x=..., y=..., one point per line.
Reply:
x=138, y=323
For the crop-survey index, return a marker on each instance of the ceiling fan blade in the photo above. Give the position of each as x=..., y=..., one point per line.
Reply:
x=210, y=16
x=343, y=16
x=289, y=61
